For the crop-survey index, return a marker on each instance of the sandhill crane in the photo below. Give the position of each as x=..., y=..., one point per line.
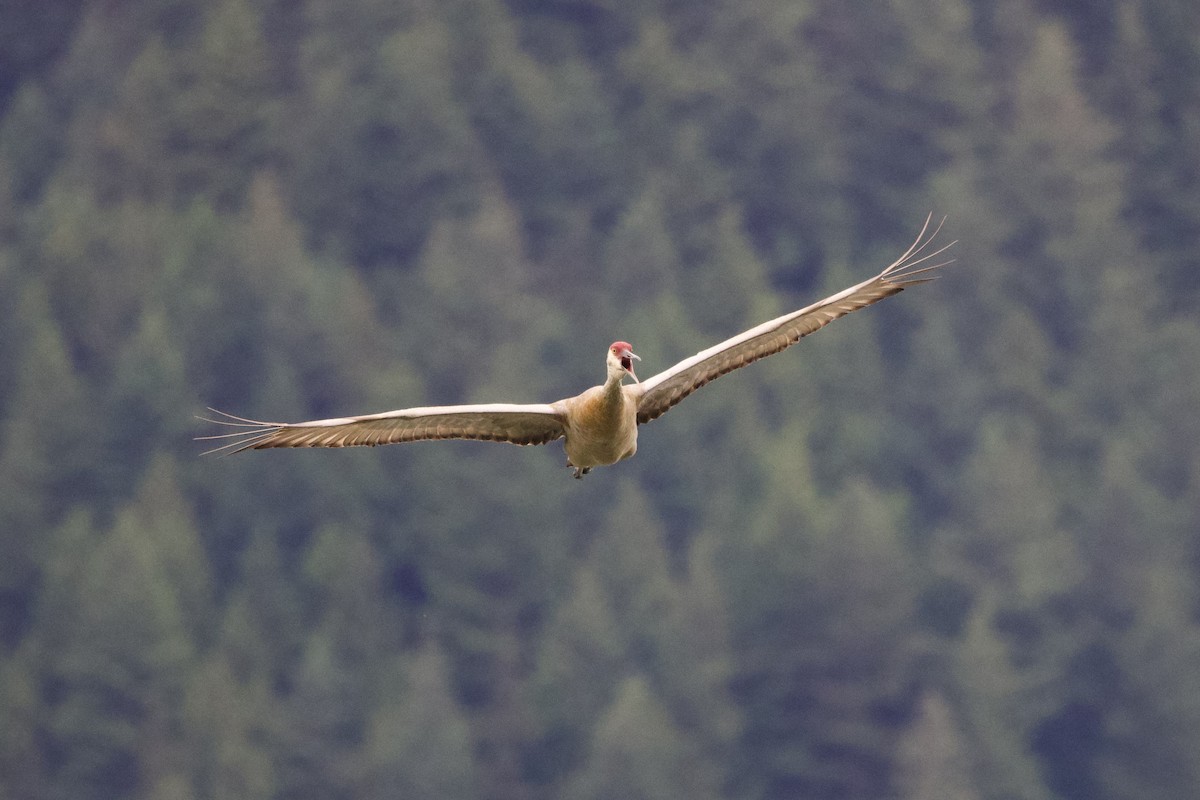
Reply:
x=599, y=426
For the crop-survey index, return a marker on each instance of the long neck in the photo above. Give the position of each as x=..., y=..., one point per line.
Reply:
x=612, y=384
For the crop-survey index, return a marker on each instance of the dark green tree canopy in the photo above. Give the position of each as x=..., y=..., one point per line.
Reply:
x=947, y=548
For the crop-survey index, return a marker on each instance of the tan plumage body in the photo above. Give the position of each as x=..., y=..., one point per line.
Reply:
x=600, y=425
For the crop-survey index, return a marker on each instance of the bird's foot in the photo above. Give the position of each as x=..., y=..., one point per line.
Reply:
x=581, y=471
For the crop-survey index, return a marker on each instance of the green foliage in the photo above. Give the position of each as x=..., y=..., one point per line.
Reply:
x=823, y=654
x=638, y=752
x=628, y=613
x=933, y=758
x=946, y=548
x=45, y=463
x=32, y=37
x=381, y=149
x=30, y=141
x=230, y=722
x=188, y=118
x=114, y=653
x=419, y=743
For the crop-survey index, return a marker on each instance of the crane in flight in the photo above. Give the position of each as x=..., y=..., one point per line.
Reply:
x=599, y=427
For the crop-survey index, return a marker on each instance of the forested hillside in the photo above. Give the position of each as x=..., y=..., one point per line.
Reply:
x=946, y=549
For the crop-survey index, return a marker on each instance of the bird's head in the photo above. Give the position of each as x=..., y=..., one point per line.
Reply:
x=620, y=360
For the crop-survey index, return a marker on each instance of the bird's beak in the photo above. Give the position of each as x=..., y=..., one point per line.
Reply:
x=635, y=357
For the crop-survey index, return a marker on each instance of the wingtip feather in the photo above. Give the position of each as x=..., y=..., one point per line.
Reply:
x=256, y=432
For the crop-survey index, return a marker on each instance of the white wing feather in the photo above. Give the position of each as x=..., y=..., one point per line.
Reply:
x=656, y=395
x=493, y=422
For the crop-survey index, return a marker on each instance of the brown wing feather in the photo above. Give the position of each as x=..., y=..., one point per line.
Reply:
x=496, y=422
x=659, y=393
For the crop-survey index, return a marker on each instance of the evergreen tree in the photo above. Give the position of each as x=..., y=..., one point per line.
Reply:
x=263, y=627
x=911, y=96
x=1138, y=544
x=114, y=652
x=31, y=141
x=319, y=748
x=347, y=600
x=764, y=73
x=148, y=387
x=324, y=736
x=418, y=742
x=696, y=660
x=47, y=452
x=628, y=614
x=933, y=755
x=159, y=505
x=823, y=655
x=190, y=117
x=548, y=128
x=382, y=147
x=948, y=549
x=993, y=708
x=1033, y=635
x=1147, y=82
x=231, y=722
x=22, y=768
x=32, y=38
x=579, y=662
x=641, y=259
x=639, y=753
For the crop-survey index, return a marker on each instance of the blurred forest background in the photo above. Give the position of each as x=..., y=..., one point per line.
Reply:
x=947, y=549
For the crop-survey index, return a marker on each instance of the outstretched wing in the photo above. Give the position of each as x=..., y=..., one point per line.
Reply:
x=495, y=422
x=659, y=393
